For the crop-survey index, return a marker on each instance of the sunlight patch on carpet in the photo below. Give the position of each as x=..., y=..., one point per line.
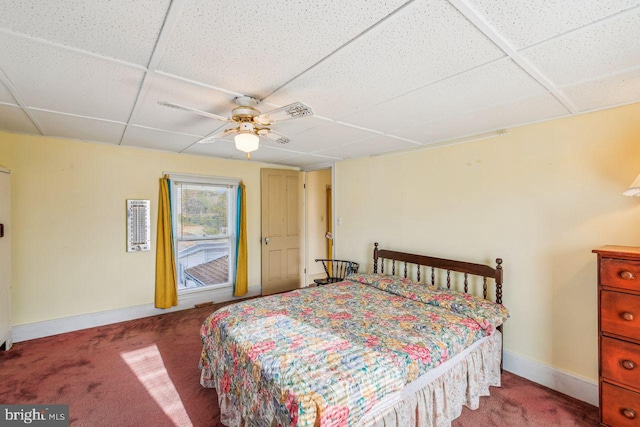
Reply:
x=148, y=366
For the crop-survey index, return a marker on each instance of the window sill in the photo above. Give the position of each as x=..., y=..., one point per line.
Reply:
x=204, y=289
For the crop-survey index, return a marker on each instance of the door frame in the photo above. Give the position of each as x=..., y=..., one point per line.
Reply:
x=308, y=260
x=6, y=338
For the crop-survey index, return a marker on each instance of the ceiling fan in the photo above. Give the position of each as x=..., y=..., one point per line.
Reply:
x=251, y=123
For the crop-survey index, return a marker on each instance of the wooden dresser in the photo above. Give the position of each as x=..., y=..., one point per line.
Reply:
x=619, y=335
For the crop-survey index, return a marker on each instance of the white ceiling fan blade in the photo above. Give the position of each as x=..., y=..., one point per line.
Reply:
x=193, y=110
x=276, y=137
x=219, y=135
x=288, y=112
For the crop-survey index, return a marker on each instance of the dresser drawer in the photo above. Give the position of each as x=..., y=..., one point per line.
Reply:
x=620, y=407
x=621, y=361
x=620, y=314
x=620, y=273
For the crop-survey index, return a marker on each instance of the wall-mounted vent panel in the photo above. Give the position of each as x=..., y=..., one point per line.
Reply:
x=138, y=232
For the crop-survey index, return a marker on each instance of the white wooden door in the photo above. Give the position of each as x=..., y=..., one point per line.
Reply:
x=282, y=198
x=5, y=261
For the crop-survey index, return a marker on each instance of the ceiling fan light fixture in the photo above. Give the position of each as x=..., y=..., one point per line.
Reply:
x=252, y=124
x=247, y=142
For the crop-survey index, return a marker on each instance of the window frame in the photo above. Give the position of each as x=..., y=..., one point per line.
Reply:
x=232, y=220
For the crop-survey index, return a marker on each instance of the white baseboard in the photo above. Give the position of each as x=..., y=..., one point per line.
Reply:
x=47, y=328
x=565, y=383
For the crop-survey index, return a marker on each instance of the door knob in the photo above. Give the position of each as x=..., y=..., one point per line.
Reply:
x=266, y=240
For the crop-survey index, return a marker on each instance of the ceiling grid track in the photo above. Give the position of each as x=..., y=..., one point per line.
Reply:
x=492, y=34
x=614, y=74
x=435, y=82
x=341, y=47
x=163, y=38
x=16, y=95
x=581, y=27
x=168, y=131
x=204, y=85
x=40, y=40
x=80, y=116
x=298, y=153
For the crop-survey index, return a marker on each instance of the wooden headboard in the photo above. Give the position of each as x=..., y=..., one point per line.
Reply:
x=466, y=268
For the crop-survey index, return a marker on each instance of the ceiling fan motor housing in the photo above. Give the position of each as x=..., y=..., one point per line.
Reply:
x=245, y=109
x=240, y=113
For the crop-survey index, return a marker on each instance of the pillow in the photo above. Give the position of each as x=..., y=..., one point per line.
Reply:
x=382, y=281
x=487, y=314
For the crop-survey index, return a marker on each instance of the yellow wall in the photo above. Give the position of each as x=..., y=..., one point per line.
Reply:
x=541, y=197
x=69, y=222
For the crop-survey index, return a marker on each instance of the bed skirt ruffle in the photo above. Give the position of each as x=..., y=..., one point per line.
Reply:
x=440, y=401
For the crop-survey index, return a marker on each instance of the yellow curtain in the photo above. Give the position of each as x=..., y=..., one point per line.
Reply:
x=242, y=282
x=166, y=277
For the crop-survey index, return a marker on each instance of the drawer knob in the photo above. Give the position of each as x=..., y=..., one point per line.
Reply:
x=627, y=275
x=629, y=413
x=628, y=364
x=627, y=316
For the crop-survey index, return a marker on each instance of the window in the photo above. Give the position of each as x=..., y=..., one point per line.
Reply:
x=203, y=212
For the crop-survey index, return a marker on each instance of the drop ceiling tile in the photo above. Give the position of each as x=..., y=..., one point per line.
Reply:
x=5, y=95
x=265, y=43
x=164, y=88
x=537, y=108
x=79, y=127
x=496, y=83
x=226, y=149
x=15, y=120
x=423, y=43
x=618, y=89
x=593, y=52
x=376, y=145
x=323, y=137
x=157, y=140
x=307, y=161
x=60, y=80
x=219, y=148
x=123, y=29
x=527, y=22
x=265, y=155
x=271, y=155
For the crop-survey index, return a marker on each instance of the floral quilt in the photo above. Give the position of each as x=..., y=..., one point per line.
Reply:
x=324, y=356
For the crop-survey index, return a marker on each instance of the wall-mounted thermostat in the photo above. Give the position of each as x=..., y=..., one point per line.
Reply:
x=138, y=232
